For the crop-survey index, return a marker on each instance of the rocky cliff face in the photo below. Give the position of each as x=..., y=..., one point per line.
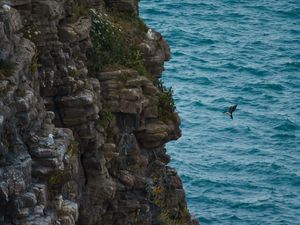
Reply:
x=83, y=117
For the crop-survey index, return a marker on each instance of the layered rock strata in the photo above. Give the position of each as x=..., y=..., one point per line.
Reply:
x=79, y=146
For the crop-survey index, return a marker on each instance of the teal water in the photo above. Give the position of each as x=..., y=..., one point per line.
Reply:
x=245, y=170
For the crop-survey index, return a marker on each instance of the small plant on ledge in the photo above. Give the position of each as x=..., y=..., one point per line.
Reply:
x=77, y=11
x=34, y=62
x=105, y=118
x=158, y=195
x=166, y=104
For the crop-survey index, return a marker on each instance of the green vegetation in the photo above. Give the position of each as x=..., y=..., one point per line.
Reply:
x=168, y=220
x=34, y=62
x=56, y=178
x=111, y=44
x=134, y=26
x=105, y=118
x=73, y=148
x=30, y=31
x=108, y=68
x=7, y=68
x=166, y=104
x=159, y=196
x=78, y=10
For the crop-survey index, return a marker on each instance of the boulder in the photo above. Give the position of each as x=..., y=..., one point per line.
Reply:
x=153, y=134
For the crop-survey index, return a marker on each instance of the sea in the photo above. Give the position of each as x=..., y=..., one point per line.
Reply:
x=244, y=171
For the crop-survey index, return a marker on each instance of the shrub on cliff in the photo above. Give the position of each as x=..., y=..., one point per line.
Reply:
x=110, y=45
x=166, y=104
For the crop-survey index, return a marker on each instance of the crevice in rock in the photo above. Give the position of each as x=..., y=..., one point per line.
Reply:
x=57, y=111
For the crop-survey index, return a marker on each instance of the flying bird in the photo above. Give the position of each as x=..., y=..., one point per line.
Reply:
x=231, y=109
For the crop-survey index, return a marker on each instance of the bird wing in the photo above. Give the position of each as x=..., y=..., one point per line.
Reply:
x=231, y=109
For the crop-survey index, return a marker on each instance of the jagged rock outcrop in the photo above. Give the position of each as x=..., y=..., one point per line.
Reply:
x=79, y=146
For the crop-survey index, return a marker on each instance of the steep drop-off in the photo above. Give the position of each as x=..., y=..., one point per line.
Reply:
x=83, y=117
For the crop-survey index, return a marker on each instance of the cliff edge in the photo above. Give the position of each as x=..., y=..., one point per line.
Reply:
x=84, y=117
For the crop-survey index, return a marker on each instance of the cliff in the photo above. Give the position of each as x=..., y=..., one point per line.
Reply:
x=84, y=118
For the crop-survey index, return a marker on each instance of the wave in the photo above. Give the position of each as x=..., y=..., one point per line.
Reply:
x=194, y=80
x=198, y=104
x=270, y=86
x=232, y=130
x=295, y=64
x=283, y=136
x=206, y=41
x=293, y=13
x=220, y=100
x=287, y=126
x=254, y=71
x=250, y=90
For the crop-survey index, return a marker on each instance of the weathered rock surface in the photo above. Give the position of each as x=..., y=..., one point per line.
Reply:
x=75, y=147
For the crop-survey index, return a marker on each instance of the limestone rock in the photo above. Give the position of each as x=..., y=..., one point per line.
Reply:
x=68, y=209
x=156, y=51
x=77, y=31
x=13, y=18
x=153, y=134
x=19, y=2
x=126, y=178
x=50, y=9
